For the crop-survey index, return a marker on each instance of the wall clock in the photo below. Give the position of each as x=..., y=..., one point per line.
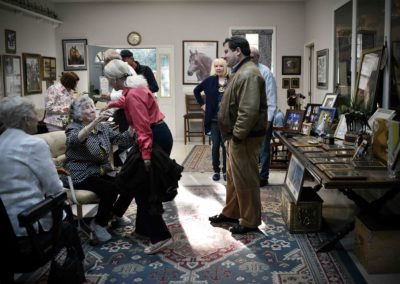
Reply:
x=134, y=38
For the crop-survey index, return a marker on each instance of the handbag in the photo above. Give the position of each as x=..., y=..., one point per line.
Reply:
x=67, y=268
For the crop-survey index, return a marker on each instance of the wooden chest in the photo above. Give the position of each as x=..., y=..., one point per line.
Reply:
x=306, y=215
x=377, y=243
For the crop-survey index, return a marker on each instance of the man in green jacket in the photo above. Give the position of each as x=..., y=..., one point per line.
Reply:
x=242, y=120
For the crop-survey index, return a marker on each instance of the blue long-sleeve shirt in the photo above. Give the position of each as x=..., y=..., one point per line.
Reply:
x=270, y=90
x=210, y=88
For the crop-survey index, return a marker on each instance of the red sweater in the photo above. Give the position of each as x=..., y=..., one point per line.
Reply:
x=141, y=111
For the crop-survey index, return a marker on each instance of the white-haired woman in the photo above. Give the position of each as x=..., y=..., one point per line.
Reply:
x=27, y=172
x=143, y=115
x=214, y=87
x=89, y=144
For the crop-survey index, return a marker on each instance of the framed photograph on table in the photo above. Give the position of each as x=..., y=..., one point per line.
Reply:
x=294, y=83
x=324, y=121
x=294, y=178
x=311, y=112
x=48, y=68
x=10, y=41
x=291, y=65
x=329, y=100
x=306, y=128
x=74, y=54
x=293, y=120
x=322, y=68
x=285, y=83
x=381, y=113
x=341, y=128
x=197, y=60
x=367, y=79
x=12, y=75
x=32, y=73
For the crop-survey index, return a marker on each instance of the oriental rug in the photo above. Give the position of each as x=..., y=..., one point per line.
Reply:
x=203, y=253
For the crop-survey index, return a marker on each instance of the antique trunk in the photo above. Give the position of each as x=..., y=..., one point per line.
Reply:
x=377, y=243
x=306, y=215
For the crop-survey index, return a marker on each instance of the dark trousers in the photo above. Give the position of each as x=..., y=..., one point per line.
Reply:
x=217, y=142
x=265, y=155
x=105, y=187
x=148, y=224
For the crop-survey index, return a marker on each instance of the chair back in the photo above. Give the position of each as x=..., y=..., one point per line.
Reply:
x=57, y=143
x=192, y=106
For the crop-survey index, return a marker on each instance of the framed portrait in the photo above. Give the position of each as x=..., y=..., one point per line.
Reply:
x=295, y=83
x=381, y=113
x=367, y=79
x=322, y=124
x=285, y=83
x=295, y=177
x=12, y=75
x=329, y=100
x=10, y=41
x=49, y=68
x=306, y=128
x=32, y=73
x=311, y=112
x=322, y=68
x=293, y=120
x=197, y=60
x=291, y=65
x=74, y=54
x=341, y=128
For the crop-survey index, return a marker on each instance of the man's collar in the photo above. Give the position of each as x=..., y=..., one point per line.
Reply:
x=238, y=65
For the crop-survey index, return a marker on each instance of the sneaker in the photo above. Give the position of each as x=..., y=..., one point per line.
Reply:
x=122, y=221
x=101, y=232
x=154, y=248
x=216, y=177
x=224, y=175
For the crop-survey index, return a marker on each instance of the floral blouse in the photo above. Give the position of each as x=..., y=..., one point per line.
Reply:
x=57, y=104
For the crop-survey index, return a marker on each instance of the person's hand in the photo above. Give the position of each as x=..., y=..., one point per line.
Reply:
x=106, y=96
x=147, y=165
x=203, y=107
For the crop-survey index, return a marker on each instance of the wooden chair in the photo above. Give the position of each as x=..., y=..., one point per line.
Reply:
x=279, y=153
x=194, y=115
x=26, y=254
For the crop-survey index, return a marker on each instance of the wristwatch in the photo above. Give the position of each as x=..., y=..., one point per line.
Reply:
x=134, y=38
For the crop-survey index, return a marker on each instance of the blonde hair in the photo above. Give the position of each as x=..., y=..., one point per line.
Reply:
x=218, y=61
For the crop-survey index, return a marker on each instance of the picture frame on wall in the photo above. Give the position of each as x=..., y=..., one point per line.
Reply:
x=295, y=177
x=12, y=75
x=10, y=39
x=291, y=65
x=32, y=73
x=285, y=83
x=49, y=68
x=322, y=68
x=74, y=54
x=197, y=57
x=294, y=83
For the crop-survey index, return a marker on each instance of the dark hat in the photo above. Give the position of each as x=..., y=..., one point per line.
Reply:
x=126, y=53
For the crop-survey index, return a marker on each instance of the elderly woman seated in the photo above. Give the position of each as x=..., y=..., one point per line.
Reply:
x=27, y=172
x=89, y=144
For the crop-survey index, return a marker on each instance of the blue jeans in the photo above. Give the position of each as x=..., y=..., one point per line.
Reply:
x=265, y=155
x=217, y=142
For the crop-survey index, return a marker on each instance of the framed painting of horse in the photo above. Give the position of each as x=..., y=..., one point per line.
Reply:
x=197, y=60
x=74, y=54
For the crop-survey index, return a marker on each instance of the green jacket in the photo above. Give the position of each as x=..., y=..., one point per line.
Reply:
x=243, y=110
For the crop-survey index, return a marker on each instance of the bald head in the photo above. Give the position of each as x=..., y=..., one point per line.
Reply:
x=254, y=55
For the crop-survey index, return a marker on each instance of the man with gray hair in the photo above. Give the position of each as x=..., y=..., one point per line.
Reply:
x=270, y=90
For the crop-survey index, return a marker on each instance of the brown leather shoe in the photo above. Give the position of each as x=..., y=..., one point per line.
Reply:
x=239, y=229
x=220, y=218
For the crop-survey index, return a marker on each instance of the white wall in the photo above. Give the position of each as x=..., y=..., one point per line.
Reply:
x=33, y=36
x=163, y=24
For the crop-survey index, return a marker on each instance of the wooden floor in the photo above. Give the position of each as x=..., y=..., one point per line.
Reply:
x=337, y=209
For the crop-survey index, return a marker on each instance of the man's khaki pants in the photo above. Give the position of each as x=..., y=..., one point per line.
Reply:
x=243, y=183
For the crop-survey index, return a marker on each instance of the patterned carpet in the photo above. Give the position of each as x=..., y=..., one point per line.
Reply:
x=203, y=253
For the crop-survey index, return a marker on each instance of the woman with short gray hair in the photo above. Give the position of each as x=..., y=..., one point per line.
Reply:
x=89, y=145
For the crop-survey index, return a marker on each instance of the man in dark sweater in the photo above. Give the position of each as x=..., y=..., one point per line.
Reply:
x=144, y=70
